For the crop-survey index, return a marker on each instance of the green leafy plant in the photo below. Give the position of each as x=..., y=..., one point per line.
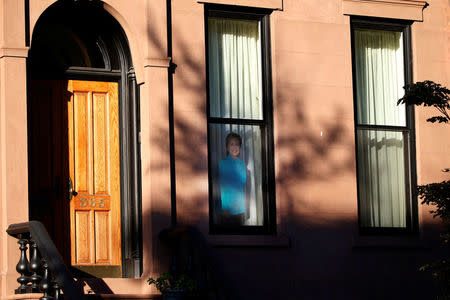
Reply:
x=167, y=281
x=437, y=194
x=440, y=271
x=431, y=94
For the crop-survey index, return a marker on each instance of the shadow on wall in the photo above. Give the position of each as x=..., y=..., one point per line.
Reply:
x=316, y=187
x=315, y=179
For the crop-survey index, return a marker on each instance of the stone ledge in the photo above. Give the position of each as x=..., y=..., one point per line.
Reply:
x=268, y=4
x=26, y=296
x=157, y=62
x=394, y=9
x=265, y=241
x=33, y=296
x=123, y=296
x=21, y=52
x=390, y=242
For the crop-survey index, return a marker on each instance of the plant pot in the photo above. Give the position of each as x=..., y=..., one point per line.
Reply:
x=175, y=295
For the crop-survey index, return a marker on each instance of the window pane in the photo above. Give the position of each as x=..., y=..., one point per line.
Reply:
x=379, y=77
x=235, y=85
x=236, y=175
x=381, y=178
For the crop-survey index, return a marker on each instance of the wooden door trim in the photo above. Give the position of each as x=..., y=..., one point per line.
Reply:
x=95, y=74
x=130, y=157
x=94, y=161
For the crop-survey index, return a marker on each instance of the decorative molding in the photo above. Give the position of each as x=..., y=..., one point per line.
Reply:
x=268, y=4
x=21, y=52
x=157, y=62
x=394, y=2
x=394, y=9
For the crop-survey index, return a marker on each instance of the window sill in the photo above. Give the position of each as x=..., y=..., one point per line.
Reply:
x=267, y=241
x=390, y=242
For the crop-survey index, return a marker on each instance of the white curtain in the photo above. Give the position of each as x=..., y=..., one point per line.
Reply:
x=235, y=89
x=381, y=176
x=234, y=68
x=381, y=154
x=379, y=77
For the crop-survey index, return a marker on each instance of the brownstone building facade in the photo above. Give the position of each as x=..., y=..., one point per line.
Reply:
x=115, y=122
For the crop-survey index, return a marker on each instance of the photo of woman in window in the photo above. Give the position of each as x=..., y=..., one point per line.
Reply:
x=232, y=182
x=237, y=125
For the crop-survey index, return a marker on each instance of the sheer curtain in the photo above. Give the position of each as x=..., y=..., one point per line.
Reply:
x=381, y=153
x=235, y=89
x=234, y=68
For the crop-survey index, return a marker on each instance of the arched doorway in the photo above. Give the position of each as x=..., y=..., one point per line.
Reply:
x=83, y=127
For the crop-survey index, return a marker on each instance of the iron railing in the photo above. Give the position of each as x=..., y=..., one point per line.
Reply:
x=41, y=269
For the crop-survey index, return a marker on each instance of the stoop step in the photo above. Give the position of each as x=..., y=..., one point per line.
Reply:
x=35, y=296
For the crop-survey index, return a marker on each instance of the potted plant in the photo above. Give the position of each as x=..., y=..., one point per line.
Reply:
x=174, y=287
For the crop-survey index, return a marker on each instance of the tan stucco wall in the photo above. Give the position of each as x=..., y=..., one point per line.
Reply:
x=431, y=49
x=13, y=132
x=313, y=129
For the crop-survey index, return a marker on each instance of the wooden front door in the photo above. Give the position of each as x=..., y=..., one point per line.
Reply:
x=94, y=170
x=74, y=170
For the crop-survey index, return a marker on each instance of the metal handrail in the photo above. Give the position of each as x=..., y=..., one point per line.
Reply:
x=62, y=276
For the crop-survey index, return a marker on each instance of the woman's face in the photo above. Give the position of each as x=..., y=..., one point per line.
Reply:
x=234, y=148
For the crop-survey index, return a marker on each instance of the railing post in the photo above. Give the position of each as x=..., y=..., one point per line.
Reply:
x=56, y=289
x=34, y=267
x=45, y=268
x=22, y=265
x=45, y=283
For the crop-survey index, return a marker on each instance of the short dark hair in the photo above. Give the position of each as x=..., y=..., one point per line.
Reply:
x=233, y=136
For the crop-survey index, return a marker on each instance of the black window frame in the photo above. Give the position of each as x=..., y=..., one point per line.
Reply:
x=403, y=26
x=266, y=124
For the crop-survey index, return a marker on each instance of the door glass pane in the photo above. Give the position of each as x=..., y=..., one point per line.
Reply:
x=234, y=58
x=381, y=178
x=235, y=157
x=379, y=69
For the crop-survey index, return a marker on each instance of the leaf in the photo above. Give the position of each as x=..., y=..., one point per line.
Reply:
x=437, y=194
x=428, y=94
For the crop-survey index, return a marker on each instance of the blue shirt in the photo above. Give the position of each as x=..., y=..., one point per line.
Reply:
x=232, y=179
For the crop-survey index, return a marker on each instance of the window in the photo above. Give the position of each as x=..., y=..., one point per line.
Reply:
x=239, y=109
x=384, y=130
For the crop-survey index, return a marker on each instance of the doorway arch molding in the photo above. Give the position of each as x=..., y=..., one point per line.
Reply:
x=97, y=48
x=115, y=11
x=136, y=51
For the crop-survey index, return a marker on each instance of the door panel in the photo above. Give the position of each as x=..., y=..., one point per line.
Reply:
x=83, y=232
x=102, y=254
x=94, y=167
x=73, y=132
